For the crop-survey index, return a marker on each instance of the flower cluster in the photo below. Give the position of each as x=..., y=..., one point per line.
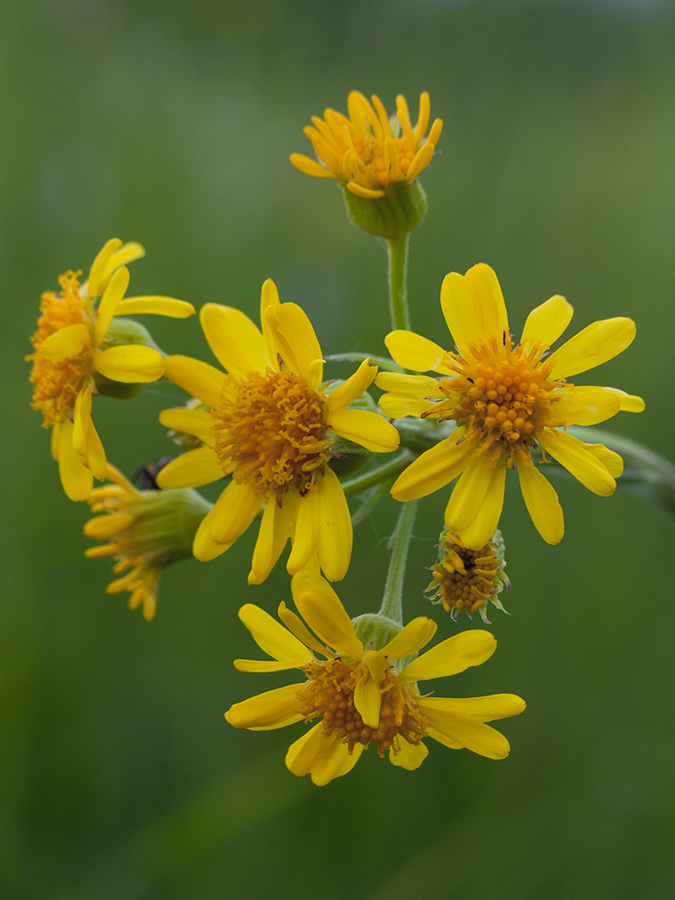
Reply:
x=285, y=445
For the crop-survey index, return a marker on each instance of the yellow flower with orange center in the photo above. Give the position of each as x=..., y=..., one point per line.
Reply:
x=270, y=424
x=70, y=354
x=366, y=150
x=364, y=695
x=144, y=531
x=506, y=399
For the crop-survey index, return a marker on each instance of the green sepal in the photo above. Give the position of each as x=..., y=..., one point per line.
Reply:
x=393, y=216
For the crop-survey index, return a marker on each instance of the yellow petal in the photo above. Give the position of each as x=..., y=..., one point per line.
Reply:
x=397, y=406
x=235, y=341
x=339, y=761
x=273, y=709
x=367, y=193
x=256, y=666
x=94, y=452
x=320, y=607
x=368, y=700
x=369, y=429
x=108, y=306
x=100, y=264
x=579, y=461
x=204, y=547
x=296, y=341
x=295, y=624
x=542, y=503
x=81, y=419
x=475, y=736
x=159, y=306
x=420, y=386
x=415, y=635
x=234, y=511
x=192, y=469
x=412, y=351
x=420, y=161
x=452, y=656
x=627, y=402
x=76, y=478
x=127, y=253
x=584, y=406
x=473, y=306
x=547, y=322
x=275, y=529
x=198, y=378
x=106, y=526
x=470, y=493
x=189, y=421
x=409, y=756
x=484, y=709
x=433, y=469
x=609, y=459
x=269, y=297
x=304, y=753
x=305, y=532
x=476, y=534
x=273, y=638
x=423, y=117
x=334, y=526
x=310, y=166
x=593, y=346
x=352, y=388
x=130, y=364
x=65, y=343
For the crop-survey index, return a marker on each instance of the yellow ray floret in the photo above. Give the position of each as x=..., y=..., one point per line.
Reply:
x=368, y=151
x=506, y=400
x=360, y=696
x=69, y=354
x=271, y=426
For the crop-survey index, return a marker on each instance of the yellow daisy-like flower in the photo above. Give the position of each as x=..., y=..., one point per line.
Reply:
x=368, y=151
x=364, y=695
x=271, y=426
x=144, y=531
x=69, y=354
x=506, y=399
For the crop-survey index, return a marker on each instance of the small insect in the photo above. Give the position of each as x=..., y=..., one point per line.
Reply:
x=146, y=477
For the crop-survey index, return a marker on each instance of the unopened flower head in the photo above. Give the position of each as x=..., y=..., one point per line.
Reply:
x=144, y=532
x=364, y=695
x=374, y=156
x=506, y=398
x=75, y=348
x=271, y=426
x=465, y=579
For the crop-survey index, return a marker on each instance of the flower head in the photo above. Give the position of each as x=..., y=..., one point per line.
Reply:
x=367, y=151
x=144, y=531
x=271, y=426
x=364, y=695
x=75, y=350
x=465, y=579
x=506, y=399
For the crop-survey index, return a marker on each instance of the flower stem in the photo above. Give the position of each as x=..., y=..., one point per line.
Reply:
x=397, y=251
x=392, y=601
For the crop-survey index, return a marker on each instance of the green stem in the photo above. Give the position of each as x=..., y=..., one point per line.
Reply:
x=392, y=601
x=361, y=483
x=369, y=504
x=382, y=362
x=397, y=251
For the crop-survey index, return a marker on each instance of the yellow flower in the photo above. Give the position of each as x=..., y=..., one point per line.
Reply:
x=144, y=531
x=506, y=399
x=364, y=695
x=466, y=579
x=367, y=151
x=70, y=354
x=270, y=425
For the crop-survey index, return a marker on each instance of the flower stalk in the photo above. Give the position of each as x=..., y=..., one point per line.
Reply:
x=392, y=601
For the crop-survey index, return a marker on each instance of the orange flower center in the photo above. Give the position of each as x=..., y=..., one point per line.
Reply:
x=57, y=383
x=371, y=151
x=329, y=693
x=464, y=579
x=502, y=394
x=271, y=427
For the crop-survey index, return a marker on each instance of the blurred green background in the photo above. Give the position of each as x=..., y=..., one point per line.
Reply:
x=171, y=124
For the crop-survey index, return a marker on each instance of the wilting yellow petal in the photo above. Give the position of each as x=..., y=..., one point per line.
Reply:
x=547, y=322
x=130, y=364
x=369, y=429
x=198, y=378
x=273, y=709
x=579, y=461
x=542, y=503
x=272, y=637
x=192, y=469
x=235, y=341
x=452, y=656
x=594, y=345
x=352, y=388
x=412, y=351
